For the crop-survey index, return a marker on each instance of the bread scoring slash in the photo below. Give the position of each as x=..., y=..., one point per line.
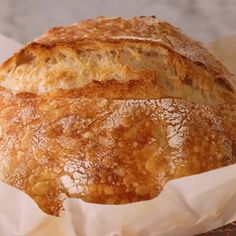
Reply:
x=109, y=57
x=108, y=110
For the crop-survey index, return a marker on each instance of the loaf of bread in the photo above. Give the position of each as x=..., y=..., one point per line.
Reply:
x=108, y=110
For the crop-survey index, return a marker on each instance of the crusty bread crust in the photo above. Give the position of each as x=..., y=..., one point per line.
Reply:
x=108, y=151
x=148, y=57
x=109, y=110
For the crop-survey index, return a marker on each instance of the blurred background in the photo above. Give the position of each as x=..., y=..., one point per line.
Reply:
x=204, y=20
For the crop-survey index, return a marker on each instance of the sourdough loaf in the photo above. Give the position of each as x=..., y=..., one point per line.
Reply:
x=109, y=110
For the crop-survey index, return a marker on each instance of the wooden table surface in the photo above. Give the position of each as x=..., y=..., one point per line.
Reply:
x=228, y=230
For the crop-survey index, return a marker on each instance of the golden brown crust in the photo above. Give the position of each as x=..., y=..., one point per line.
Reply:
x=147, y=29
x=108, y=151
x=132, y=51
x=109, y=110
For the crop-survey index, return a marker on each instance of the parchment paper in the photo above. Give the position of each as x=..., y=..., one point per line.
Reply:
x=187, y=206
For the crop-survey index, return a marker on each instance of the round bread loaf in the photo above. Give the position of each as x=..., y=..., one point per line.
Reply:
x=109, y=110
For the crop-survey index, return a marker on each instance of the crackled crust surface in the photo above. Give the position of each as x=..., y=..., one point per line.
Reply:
x=108, y=151
x=144, y=55
x=109, y=110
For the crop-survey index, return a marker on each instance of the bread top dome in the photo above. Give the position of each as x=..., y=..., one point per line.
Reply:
x=137, y=58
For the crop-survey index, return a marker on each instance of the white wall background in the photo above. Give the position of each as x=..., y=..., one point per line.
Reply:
x=205, y=20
